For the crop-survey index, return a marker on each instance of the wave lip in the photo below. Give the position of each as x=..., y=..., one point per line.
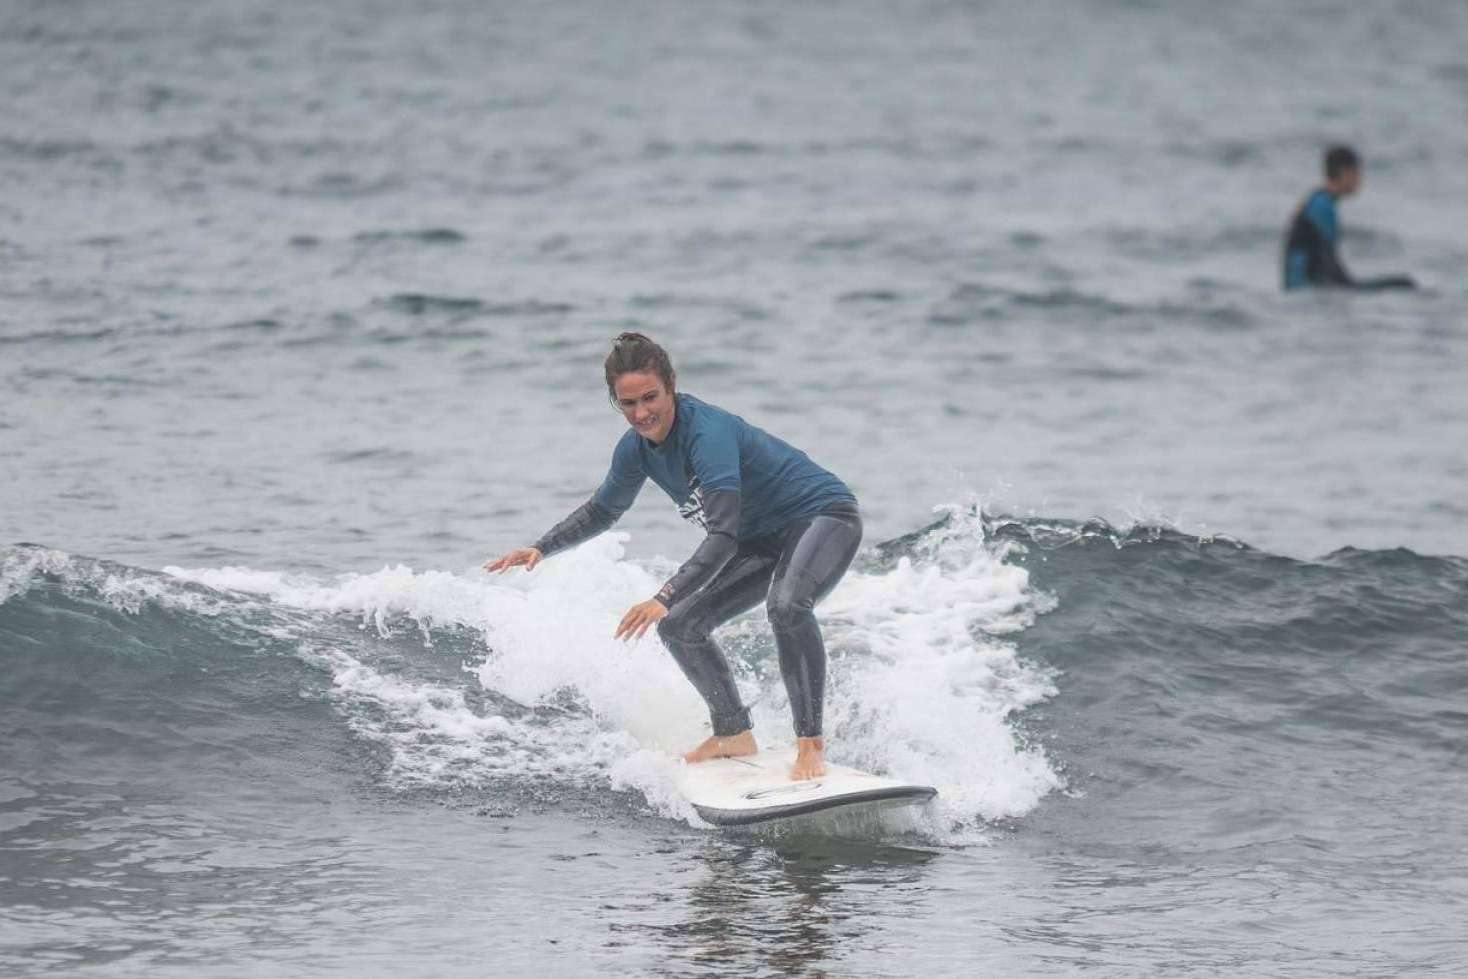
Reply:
x=1210, y=683
x=942, y=645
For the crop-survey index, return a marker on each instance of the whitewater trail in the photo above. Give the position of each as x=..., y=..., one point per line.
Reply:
x=922, y=682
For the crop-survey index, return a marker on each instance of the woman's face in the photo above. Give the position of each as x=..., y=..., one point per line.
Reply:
x=646, y=402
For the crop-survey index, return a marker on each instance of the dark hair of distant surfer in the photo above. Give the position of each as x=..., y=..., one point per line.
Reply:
x=1339, y=159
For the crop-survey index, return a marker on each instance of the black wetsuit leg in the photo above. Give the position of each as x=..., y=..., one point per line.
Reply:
x=738, y=587
x=817, y=553
x=792, y=570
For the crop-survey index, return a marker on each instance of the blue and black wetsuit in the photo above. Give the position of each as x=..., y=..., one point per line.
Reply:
x=780, y=529
x=1310, y=254
x=1310, y=257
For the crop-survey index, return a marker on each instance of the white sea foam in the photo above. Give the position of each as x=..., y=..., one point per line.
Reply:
x=125, y=589
x=927, y=690
x=435, y=738
x=922, y=684
x=19, y=568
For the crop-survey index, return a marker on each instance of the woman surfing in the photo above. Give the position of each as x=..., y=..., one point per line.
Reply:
x=780, y=529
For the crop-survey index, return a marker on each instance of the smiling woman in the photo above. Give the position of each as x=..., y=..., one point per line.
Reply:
x=779, y=529
x=640, y=382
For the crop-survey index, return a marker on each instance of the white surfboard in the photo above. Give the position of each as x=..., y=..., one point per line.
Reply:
x=758, y=788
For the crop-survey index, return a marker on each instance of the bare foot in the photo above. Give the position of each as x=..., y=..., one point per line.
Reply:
x=810, y=759
x=734, y=746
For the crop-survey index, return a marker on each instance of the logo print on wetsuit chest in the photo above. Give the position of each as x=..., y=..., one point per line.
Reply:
x=691, y=509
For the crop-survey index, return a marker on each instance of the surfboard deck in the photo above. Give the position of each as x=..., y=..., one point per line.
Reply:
x=758, y=788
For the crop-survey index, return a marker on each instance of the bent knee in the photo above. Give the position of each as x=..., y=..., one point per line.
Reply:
x=673, y=628
x=785, y=612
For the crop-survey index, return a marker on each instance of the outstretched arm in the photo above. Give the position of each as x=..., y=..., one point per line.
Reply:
x=584, y=523
x=608, y=503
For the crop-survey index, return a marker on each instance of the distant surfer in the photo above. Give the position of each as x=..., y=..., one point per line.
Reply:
x=1310, y=253
x=780, y=530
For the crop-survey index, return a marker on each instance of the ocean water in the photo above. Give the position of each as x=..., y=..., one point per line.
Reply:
x=302, y=309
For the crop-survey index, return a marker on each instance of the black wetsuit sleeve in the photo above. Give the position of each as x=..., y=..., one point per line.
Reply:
x=1328, y=261
x=584, y=523
x=1386, y=282
x=721, y=516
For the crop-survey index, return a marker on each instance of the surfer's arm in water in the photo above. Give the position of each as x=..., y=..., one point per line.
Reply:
x=1318, y=257
x=1386, y=282
x=1333, y=273
x=1332, y=270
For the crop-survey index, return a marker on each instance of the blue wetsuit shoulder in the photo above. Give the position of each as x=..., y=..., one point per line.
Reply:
x=1320, y=210
x=710, y=449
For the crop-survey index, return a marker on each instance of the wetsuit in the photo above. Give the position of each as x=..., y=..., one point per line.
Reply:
x=1310, y=255
x=780, y=529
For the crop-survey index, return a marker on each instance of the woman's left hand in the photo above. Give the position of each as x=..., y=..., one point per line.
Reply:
x=639, y=619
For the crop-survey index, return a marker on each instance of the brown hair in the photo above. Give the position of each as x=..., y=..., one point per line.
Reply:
x=633, y=353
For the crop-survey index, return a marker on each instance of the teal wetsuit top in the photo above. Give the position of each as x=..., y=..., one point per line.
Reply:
x=734, y=480
x=710, y=450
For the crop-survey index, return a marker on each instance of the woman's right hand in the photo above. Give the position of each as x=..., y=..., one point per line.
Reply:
x=528, y=556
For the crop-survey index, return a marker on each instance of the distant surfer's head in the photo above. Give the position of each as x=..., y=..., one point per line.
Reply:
x=1342, y=170
x=640, y=382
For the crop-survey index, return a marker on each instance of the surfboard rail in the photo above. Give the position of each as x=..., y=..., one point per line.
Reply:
x=887, y=795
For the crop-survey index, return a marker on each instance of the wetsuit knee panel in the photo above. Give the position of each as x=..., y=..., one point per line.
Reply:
x=681, y=626
x=670, y=629
x=786, y=610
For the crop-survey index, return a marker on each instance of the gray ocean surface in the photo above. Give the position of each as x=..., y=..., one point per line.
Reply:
x=302, y=314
